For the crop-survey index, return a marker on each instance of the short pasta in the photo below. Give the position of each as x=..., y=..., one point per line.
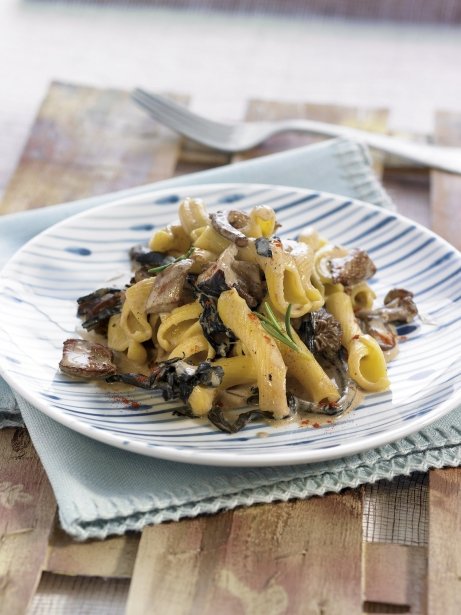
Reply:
x=222, y=313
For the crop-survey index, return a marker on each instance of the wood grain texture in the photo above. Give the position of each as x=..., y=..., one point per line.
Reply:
x=114, y=557
x=444, y=570
x=87, y=141
x=409, y=189
x=65, y=595
x=27, y=511
x=263, y=559
x=446, y=187
x=395, y=575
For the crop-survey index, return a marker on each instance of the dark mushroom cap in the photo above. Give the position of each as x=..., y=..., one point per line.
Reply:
x=321, y=333
x=352, y=269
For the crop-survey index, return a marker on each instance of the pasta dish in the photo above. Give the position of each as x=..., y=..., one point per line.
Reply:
x=239, y=324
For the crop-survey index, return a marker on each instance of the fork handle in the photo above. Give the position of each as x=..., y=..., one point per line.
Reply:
x=438, y=157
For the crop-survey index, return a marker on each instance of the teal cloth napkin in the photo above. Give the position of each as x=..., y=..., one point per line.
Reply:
x=101, y=490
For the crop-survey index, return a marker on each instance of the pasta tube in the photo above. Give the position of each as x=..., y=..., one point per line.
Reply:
x=173, y=238
x=307, y=371
x=191, y=344
x=269, y=365
x=117, y=337
x=207, y=238
x=176, y=324
x=288, y=277
x=366, y=362
x=362, y=296
x=262, y=222
x=134, y=320
x=237, y=371
x=192, y=214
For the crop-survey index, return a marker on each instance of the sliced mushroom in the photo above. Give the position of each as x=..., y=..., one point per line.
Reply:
x=96, y=308
x=143, y=260
x=227, y=273
x=249, y=285
x=238, y=219
x=169, y=289
x=219, y=276
x=86, y=359
x=143, y=256
x=398, y=307
x=220, y=223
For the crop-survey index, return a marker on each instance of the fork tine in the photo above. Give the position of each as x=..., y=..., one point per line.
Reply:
x=182, y=118
x=165, y=108
x=178, y=117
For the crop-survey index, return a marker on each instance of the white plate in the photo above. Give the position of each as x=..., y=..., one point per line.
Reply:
x=40, y=285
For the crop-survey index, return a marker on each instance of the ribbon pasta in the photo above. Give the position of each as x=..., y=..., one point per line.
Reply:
x=216, y=313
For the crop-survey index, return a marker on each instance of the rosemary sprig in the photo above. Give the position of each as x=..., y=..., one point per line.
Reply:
x=176, y=260
x=288, y=323
x=273, y=327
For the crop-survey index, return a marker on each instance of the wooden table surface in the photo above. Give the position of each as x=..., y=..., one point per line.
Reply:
x=298, y=557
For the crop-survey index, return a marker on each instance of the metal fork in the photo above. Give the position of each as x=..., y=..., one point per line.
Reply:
x=243, y=136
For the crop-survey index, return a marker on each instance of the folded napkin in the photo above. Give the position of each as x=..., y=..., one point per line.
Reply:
x=101, y=490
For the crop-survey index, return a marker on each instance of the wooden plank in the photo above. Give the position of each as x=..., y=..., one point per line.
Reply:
x=395, y=575
x=444, y=570
x=64, y=595
x=114, y=557
x=410, y=191
x=263, y=559
x=194, y=158
x=27, y=510
x=88, y=141
x=446, y=187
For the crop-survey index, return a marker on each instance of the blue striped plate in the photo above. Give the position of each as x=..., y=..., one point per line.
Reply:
x=40, y=285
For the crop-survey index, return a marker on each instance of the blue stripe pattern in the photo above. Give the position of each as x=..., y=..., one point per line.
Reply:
x=39, y=287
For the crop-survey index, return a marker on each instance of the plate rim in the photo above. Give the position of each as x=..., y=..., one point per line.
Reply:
x=232, y=458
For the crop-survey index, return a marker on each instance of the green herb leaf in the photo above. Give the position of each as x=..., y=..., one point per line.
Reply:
x=288, y=323
x=271, y=315
x=176, y=260
x=273, y=327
